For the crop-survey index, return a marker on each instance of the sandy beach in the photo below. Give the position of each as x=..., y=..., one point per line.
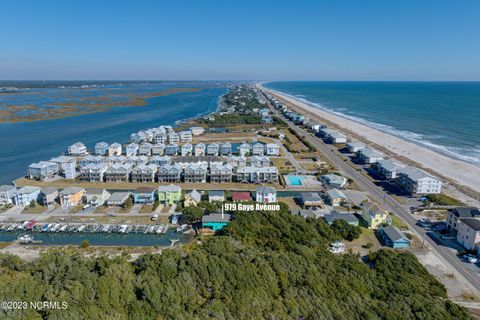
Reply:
x=457, y=172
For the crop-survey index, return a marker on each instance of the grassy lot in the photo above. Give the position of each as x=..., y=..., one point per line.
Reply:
x=309, y=165
x=295, y=144
x=443, y=200
x=38, y=208
x=397, y=222
x=281, y=164
x=5, y=208
x=4, y=245
x=290, y=202
x=146, y=209
x=77, y=209
x=366, y=242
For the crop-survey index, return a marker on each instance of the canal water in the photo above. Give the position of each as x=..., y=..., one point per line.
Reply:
x=99, y=239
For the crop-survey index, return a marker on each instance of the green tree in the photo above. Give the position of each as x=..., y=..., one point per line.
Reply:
x=85, y=244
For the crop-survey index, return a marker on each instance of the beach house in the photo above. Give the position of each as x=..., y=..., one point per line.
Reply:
x=117, y=199
x=195, y=174
x=216, y=195
x=212, y=149
x=237, y=161
x=77, y=149
x=244, y=149
x=272, y=149
x=170, y=194
x=468, y=234
x=169, y=173
x=161, y=138
x=67, y=166
x=259, y=161
x=258, y=149
x=241, y=196
x=171, y=149
x=392, y=237
x=355, y=146
x=118, y=172
x=185, y=136
x=336, y=197
x=187, y=149
x=334, y=137
x=7, y=194
x=138, y=137
x=137, y=160
x=145, y=149
x=311, y=200
x=101, y=148
x=373, y=215
x=257, y=175
x=347, y=217
x=369, y=156
x=91, y=159
x=160, y=161
x=71, y=197
x=265, y=194
x=144, y=173
x=144, y=195
x=221, y=173
x=131, y=149
x=25, y=195
x=456, y=214
x=96, y=197
x=226, y=149
x=192, y=198
x=416, y=181
x=117, y=159
x=158, y=149
x=48, y=195
x=387, y=169
x=42, y=170
x=173, y=137
x=115, y=149
x=197, y=131
x=216, y=221
x=93, y=172
x=199, y=149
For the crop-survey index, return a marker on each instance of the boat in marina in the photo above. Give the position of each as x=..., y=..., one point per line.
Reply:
x=27, y=239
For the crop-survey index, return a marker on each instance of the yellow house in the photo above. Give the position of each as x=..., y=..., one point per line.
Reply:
x=192, y=198
x=373, y=215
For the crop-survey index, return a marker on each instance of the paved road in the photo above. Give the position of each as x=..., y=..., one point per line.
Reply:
x=388, y=202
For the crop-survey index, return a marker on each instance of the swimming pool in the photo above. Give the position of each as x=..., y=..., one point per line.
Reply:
x=295, y=180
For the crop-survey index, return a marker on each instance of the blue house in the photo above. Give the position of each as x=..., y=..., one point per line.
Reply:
x=144, y=195
x=216, y=221
x=392, y=237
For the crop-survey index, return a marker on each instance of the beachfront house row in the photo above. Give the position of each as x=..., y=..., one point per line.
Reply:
x=226, y=149
x=216, y=195
x=373, y=215
x=265, y=194
x=244, y=150
x=7, y=193
x=199, y=149
x=259, y=161
x=257, y=175
x=258, y=149
x=392, y=237
x=335, y=137
x=118, y=172
x=237, y=161
x=170, y=194
x=355, y=146
x=96, y=197
x=197, y=131
x=212, y=149
x=195, y=174
x=311, y=200
x=456, y=214
x=131, y=149
x=101, y=148
x=42, y=170
x=216, y=221
x=144, y=195
x=145, y=149
x=387, y=169
x=334, y=180
x=48, y=195
x=369, y=156
x=158, y=149
x=468, y=234
x=272, y=149
x=221, y=173
x=169, y=173
x=117, y=199
x=187, y=149
x=25, y=195
x=192, y=199
x=77, y=149
x=71, y=197
x=144, y=173
x=185, y=136
x=115, y=149
x=160, y=161
x=172, y=149
x=93, y=172
x=416, y=181
x=336, y=197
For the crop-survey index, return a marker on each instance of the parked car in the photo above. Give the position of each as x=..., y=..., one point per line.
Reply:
x=470, y=258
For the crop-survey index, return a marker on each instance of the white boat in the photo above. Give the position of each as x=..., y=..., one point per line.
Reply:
x=80, y=229
x=159, y=229
x=182, y=228
x=123, y=228
x=27, y=239
x=63, y=228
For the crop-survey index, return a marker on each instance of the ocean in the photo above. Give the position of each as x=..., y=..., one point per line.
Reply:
x=25, y=142
x=443, y=116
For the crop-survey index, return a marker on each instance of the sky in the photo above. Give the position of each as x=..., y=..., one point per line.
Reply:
x=240, y=40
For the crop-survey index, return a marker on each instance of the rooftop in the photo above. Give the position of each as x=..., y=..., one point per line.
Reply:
x=472, y=223
x=265, y=189
x=394, y=234
x=216, y=217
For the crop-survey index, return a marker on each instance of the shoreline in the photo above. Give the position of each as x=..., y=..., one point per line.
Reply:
x=446, y=166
